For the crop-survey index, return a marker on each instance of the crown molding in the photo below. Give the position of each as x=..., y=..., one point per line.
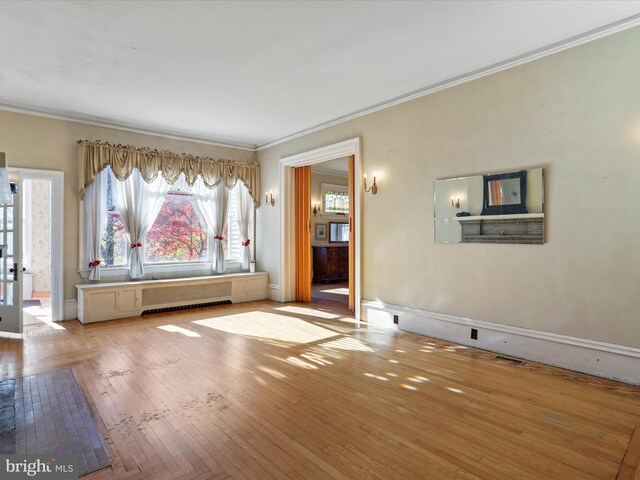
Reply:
x=98, y=122
x=566, y=44
x=574, y=41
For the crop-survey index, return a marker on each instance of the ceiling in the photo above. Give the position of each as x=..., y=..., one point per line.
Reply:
x=249, y=73
x=339, y=167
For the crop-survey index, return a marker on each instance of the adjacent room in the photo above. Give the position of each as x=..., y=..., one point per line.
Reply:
x=320, y=240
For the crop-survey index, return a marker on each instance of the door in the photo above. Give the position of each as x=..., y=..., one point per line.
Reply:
x=11, y=263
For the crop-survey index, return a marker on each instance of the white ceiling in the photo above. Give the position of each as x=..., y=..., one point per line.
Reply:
x=339, y=167
x=250, y=73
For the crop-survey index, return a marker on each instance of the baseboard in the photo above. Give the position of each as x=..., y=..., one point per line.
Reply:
x=274, y=293
x=616, y=362
x=70, y=309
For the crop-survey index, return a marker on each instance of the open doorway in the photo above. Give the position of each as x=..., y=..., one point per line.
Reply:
x=36, y=248
x=330, y=232
x=290, y=233
x=41, y=196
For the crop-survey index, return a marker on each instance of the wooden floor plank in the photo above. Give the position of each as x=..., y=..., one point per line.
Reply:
x=630, y=467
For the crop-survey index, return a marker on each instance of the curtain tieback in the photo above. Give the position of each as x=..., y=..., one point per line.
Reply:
x=135, y=245
x=247, y=243
x=94, y=264
x=218, y=237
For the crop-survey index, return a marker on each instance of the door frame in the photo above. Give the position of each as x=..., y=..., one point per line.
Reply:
x=57, y=232
x=287, y=253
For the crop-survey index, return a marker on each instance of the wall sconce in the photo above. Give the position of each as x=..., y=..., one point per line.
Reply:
x=269, y=200
x=373, y=188
x=455, y=204
x=316, y=209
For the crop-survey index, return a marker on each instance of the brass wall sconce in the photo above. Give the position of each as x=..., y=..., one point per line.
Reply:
x=455, y=204
x=316, y=209
x=269, y=200
x=373, y=188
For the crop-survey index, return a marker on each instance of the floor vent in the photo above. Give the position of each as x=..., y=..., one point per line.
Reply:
x=187, y=307
x=513, y=361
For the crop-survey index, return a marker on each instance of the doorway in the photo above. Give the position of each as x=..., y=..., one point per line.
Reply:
x=329, y=222
x=288, y=246
x=41, y=219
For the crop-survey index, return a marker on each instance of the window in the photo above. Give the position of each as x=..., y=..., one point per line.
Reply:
x=335, y=199
x=113, y=251
x=179, y=233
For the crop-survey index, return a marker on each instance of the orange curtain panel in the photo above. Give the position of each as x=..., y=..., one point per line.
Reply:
x=303, y=234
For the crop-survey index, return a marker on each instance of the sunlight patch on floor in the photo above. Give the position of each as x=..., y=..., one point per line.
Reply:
x=270, y=326
x=301, y=363
x=337, y=291
x=347, y=343
x=454, y=390
x=315, y=358
x=311, y=312
x=42, y=314
x=175, y=329
x=272, y=372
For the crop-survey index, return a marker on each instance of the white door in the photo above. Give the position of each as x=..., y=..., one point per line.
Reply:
x=11, y=263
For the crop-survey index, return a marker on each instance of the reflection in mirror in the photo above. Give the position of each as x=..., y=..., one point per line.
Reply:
x=338, y=232
x=509, y=210
x=505, y=193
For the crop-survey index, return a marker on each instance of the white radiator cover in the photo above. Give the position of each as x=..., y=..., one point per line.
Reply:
x=108, y=301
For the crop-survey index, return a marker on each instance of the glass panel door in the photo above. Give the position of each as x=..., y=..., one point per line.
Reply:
x=11, y=264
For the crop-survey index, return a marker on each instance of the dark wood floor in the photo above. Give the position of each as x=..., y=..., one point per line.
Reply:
x=266, y=390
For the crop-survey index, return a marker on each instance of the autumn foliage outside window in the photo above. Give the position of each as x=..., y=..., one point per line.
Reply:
x=179, y=234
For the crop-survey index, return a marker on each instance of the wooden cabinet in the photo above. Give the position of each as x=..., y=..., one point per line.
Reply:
x=331, y=264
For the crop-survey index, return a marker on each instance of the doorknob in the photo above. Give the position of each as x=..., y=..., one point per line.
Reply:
x=14, y=270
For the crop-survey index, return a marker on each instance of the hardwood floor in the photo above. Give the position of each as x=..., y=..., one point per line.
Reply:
x=266, y=390
x=331, y=294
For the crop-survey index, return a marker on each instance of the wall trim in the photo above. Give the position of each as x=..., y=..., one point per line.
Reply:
x=273, y=292
x=617, y=362
x=536, y=54
x=70, y=310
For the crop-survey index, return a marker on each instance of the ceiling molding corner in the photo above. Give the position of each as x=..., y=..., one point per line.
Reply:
x=536, y=54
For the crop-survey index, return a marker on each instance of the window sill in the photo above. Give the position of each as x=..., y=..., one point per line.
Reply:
x=158, y=272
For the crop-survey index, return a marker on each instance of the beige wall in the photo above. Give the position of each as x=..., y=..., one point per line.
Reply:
x=43, y=143
x=317, y=179
x=577, y=114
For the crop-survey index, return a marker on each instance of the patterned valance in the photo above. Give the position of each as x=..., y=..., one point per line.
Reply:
x=97, y=155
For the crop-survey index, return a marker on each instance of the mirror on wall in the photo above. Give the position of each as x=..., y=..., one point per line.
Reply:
x=338, y=232
x=492, y=208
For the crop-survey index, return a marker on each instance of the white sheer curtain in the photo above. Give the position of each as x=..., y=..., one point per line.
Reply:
x=95, y=212
x=213, y=204
x=138, y=203
x=244, y=203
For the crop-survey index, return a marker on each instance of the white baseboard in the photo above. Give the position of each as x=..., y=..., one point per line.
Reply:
x=616, y=362
x=70, y=309
x=274, y=293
